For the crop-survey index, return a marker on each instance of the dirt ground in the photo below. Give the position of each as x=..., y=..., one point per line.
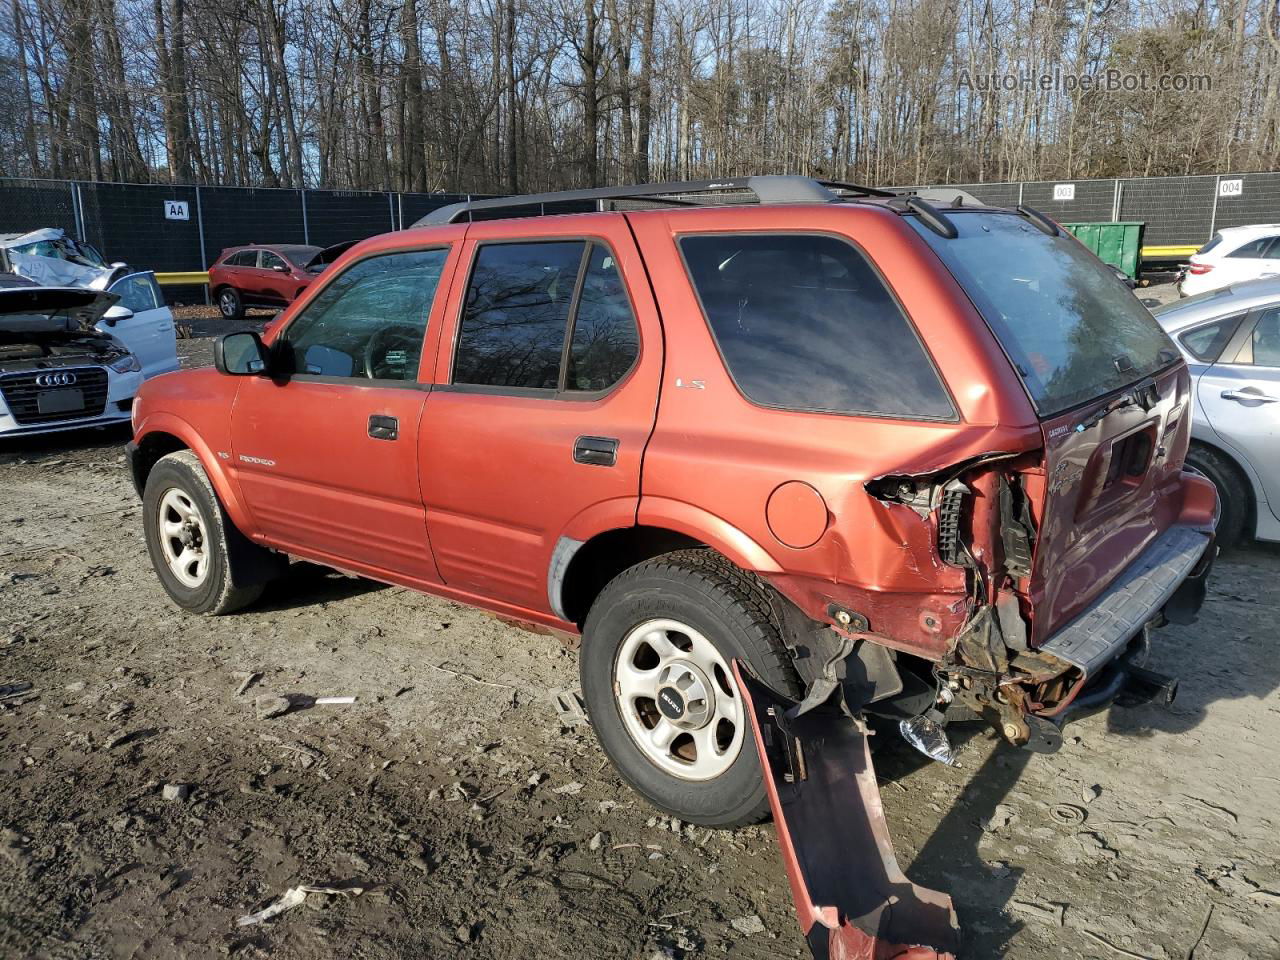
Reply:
x=481, y=822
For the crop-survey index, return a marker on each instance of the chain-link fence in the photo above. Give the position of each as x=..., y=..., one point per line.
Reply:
x=184, y=228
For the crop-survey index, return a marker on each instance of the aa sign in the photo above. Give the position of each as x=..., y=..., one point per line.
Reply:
x=176, y=210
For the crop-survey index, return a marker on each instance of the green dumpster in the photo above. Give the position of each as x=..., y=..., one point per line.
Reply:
x=1119, y=244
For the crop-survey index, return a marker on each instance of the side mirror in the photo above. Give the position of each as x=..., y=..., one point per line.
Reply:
x=280, y=268
x=115, y=314
x=240, y=354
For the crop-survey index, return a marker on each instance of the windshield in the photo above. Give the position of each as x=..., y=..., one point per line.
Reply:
x=63, y=248
x=1073, y=331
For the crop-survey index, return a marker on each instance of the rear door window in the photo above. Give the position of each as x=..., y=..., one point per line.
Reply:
x=517, y=309
x=804, y=322
x=527, y=300
x=1072, y=330
x=1266, y=339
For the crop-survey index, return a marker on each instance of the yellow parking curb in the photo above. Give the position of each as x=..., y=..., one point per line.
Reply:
x=1170, y=252
x=196, y=276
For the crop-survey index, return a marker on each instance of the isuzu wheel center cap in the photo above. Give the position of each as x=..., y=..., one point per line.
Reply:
x=685, y=696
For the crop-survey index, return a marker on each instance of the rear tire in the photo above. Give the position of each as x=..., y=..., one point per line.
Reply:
x=187, y=534
x=1234, y=497
x=677, y=622
x=230, y=304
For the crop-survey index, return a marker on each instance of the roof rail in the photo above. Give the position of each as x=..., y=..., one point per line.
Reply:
x=768, y=189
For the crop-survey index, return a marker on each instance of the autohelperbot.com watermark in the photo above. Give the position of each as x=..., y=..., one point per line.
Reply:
x=1110, y=80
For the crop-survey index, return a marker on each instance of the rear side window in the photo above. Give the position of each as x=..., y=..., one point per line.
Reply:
x=605, y=339
x=804, y=322
x=1259, y=249
x=1206, y=342
x=245, y=258
x=1217, y=239
x=526, y=299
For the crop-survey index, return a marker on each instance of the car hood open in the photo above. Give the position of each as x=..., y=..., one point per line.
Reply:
x=46, y=310
x=328, y=255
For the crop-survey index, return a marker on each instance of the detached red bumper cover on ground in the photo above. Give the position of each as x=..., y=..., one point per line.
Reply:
x=852, y=900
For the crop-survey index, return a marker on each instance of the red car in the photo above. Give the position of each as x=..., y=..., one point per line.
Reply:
x=266, y=275
x=781, y=467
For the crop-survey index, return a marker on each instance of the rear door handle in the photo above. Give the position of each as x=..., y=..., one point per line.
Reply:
x=597, y=451
x=1246, y=395
x=384, y=428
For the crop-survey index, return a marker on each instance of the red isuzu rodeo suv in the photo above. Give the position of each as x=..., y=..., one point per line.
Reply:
x=828, y=457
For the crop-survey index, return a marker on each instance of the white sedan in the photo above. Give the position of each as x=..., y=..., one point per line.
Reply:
x=57, y=370
x=1234, y=255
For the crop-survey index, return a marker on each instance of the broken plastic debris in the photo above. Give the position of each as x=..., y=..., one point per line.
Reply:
x=570, y=707
x=321, y=700
x=292, y=898
x=929, y=737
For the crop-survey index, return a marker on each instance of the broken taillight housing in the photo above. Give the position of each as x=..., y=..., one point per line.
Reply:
x=950, y=510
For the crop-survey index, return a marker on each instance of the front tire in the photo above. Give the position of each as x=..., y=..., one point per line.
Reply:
x=1233, y=492
x=187, y=534
x=656, y=664
x=230, y=304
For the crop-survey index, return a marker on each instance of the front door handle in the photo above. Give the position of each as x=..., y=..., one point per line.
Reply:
x=1243, y=396
x=596, y=451
x=384, y=428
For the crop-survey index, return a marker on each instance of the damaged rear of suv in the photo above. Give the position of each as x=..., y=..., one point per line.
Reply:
x=967, y=438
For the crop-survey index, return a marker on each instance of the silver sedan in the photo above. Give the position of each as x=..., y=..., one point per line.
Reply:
x=1231, y=339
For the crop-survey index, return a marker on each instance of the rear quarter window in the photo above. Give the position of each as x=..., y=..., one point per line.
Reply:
x=804, y=322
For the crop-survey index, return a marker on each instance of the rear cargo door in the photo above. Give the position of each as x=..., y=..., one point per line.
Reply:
x=1102, y=495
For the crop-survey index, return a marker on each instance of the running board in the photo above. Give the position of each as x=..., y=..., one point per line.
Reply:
x=852, y=900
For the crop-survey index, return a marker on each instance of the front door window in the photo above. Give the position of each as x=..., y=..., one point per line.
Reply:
x=369, y=322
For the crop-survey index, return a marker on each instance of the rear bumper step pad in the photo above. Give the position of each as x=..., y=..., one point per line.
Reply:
x=1098, y=634
x=852, y=900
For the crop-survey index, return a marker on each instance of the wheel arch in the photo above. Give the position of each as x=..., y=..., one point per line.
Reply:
x=584, y=561
x=580, y=569
x=162, y=434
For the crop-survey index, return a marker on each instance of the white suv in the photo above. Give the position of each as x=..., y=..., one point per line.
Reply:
x=1235, y=254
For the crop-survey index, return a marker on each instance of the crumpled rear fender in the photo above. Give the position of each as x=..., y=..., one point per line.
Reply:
x=852, y=900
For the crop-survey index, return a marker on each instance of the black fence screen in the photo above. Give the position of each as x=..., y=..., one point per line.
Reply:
x=179, y=229
x=174, y=229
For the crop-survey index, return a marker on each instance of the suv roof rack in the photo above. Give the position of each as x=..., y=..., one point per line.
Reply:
x=768, y=189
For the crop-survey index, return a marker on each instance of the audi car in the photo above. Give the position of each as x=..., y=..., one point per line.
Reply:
x=57, y=371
